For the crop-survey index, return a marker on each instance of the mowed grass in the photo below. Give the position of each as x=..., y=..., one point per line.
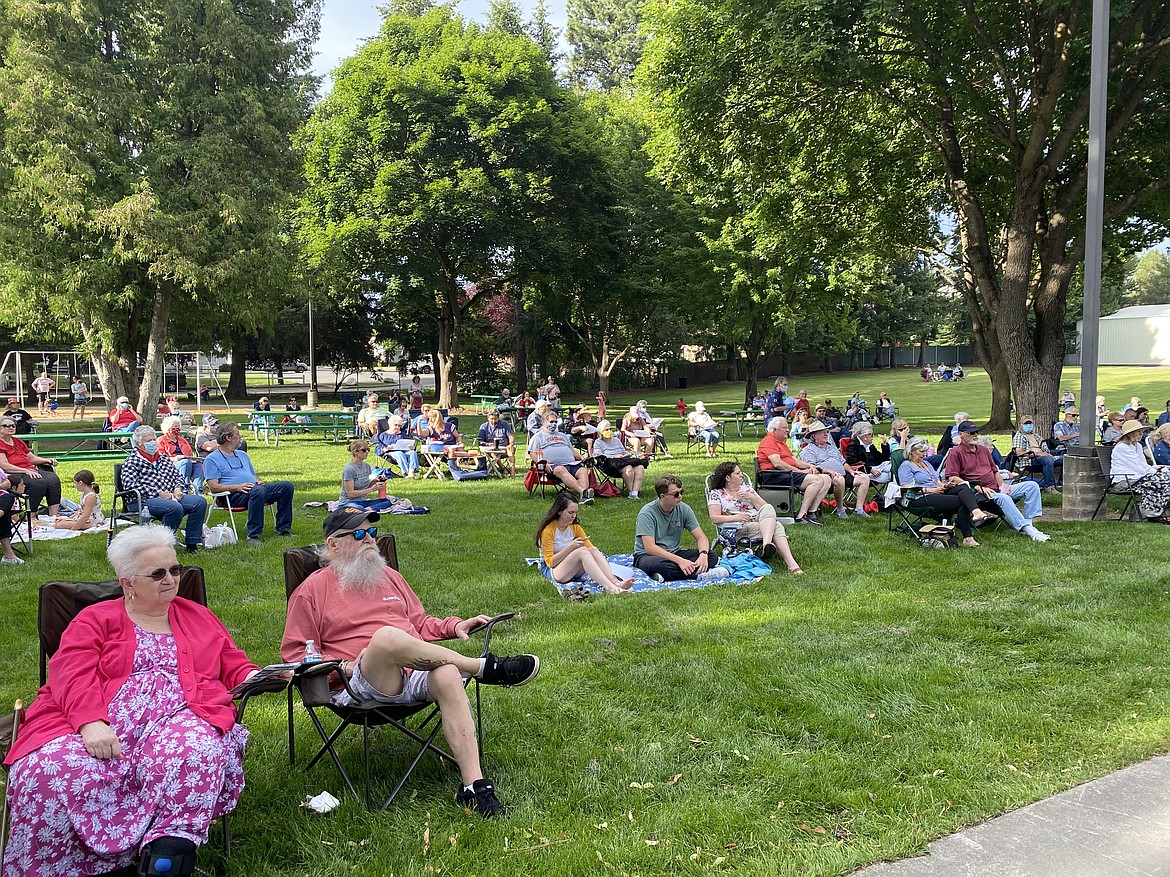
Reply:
x=796, y=726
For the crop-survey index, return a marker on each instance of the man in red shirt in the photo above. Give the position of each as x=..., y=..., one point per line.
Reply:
x=780, y=468
x=360, y=611
x=971, y=462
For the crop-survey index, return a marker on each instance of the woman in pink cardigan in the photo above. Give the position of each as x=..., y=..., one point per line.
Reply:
x=132, y=748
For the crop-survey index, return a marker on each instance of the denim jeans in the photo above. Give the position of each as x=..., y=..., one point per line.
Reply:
x=171, y=513
x=280, y=492
x=1029, y=492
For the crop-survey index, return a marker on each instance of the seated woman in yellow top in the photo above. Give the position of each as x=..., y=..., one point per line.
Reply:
x=566, y=552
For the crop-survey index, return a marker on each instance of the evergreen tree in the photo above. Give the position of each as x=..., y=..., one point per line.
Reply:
x=606, y=40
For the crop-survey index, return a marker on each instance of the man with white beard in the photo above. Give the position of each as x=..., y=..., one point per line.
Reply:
x=358, y=610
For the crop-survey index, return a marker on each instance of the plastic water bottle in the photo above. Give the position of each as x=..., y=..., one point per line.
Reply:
x=143, y=514
x=312, y=653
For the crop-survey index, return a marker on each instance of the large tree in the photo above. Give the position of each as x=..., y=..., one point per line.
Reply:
x=149, y=142
x=430, y=167
x=606, y=40
x=999, y=94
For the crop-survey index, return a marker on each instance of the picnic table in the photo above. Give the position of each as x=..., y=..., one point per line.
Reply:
x=483, y=401
x=76, y=441
x=331, y=424
x=751, y=416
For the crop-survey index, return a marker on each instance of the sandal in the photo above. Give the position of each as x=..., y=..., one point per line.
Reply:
x=577, y=592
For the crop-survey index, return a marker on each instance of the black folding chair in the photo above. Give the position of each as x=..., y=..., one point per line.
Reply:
x=1125, y=487
x=312, y=682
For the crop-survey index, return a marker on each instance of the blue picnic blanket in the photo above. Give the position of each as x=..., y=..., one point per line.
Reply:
x=643, y=582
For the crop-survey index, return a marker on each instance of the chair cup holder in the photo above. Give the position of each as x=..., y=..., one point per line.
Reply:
x=315, y=689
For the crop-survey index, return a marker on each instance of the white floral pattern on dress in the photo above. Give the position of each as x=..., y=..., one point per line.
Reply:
x=75, y=814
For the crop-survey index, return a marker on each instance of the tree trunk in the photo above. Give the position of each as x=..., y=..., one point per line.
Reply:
x=238, y=378
x=921, y=355
x=521, y=360
x=156, y=341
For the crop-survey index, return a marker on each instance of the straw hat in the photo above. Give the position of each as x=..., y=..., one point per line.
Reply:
x=1133, y=426
x=815, y=426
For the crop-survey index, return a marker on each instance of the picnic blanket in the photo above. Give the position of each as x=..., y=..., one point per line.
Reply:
x=44, y=531
x=643, y=582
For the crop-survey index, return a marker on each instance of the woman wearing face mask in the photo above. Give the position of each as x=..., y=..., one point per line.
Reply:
x=179, y=451
x=1031, y=450
x=616, y=460
x=152, y=473
x=123, y=417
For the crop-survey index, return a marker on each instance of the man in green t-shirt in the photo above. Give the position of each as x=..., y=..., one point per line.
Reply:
x=659, y=531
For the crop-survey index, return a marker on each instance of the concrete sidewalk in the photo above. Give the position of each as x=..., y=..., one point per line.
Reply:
x=1117, y=826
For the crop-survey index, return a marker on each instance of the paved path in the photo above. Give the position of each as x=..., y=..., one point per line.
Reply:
x=1117, y=826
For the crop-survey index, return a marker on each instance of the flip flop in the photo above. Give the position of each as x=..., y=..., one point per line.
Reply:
x=577, y=592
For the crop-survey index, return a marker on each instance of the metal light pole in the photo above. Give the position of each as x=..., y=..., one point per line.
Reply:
x=311, y=396
x=1085, y=484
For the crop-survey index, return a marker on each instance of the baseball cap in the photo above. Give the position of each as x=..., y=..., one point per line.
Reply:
x=348, y=518
x=968, y=426
x=210, y=420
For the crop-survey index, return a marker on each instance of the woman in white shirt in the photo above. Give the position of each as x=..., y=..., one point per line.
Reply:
x=735, y=507
x=1128, y=465
x=704, y=427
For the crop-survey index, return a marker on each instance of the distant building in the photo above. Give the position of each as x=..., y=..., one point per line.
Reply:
x=1134, y=336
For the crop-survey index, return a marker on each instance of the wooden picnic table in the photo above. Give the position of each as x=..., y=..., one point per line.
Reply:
x=75, y=451
x=751, y=416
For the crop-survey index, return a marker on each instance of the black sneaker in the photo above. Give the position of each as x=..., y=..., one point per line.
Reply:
x=481, y=797
x=769, y=551
x=518, y=670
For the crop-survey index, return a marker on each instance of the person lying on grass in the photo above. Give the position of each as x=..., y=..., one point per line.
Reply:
x=358, y=610
x=566, y=552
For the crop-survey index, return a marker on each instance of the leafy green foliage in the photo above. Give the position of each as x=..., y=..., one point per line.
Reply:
x=607, y=42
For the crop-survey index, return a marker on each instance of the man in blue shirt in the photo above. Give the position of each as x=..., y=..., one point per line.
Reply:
x=230, y=470
x=1164, y=417
x=499, y=436
x=775, y=403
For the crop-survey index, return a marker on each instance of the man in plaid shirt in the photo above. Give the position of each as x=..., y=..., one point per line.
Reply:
x=152, y=473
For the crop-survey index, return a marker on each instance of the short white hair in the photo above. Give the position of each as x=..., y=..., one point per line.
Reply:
x=861, y=428
x=124, y=549
x=776, y=421
x=169, y=421
x=144, y=433
x=960, y=416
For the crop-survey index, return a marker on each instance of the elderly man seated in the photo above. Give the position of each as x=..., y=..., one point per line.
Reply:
x=822, y=453
x=360, y=611
x=497, y=438
x=971, y=462
x=780, y=468
x=396, y=444
x=1031, y=451
x=535, y=420
x=123, y=417
x=230, y=469
x=1067, y=432
x=368, y=417
x=557, y=451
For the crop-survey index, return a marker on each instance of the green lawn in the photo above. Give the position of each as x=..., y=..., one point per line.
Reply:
x=797, y=726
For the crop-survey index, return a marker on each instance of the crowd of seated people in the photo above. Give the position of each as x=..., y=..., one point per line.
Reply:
x=1134, y=465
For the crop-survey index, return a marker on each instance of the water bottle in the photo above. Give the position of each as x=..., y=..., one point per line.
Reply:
x=312, y=653
x=143, y=514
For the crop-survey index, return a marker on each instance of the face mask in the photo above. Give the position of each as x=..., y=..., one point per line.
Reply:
x=1028, y=427
x=607, y=434
x=125, y=406
x=150, y=447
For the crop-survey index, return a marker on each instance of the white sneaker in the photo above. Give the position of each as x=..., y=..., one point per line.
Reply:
x=714, y=574
x=13, y=559
x=1035, y=535
x=633, y=494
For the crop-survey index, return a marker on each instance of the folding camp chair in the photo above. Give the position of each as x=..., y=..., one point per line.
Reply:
x=1125, y=487
x=22, y=526
x=9, y=728
x=727, y=536
x=781, y=497
x=694, y=440
x=540, y=477
x=125, y=507
x=311, y=681
x=232, y=502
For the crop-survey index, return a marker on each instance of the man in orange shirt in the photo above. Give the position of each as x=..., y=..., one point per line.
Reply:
x=780, y=468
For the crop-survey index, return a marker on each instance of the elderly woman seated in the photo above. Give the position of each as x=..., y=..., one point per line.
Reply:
x=615, y=460
x=583, y=429
x=179, y=451
x=637, y=432
x=741, y=513
x=1160, y=444
x=16, y=458
x=702, y=426
x=132, y=748
x=927, y=490
x=396, y=444
x=155, y=477
x=867, y=456
x=1130, y=467
x=822, y=453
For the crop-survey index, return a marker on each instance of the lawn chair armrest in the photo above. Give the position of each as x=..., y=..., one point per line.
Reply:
x=487, y=626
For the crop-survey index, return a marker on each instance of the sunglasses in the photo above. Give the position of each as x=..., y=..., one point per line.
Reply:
x=675, y=493
x=361, y=534
x=161, y=573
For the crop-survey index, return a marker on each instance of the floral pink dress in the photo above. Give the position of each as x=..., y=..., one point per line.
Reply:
x=76, y=814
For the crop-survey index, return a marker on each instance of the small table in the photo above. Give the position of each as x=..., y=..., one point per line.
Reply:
x=750, y=416
x=497, y=460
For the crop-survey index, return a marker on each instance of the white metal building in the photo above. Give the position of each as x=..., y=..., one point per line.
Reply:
x=1138, y=335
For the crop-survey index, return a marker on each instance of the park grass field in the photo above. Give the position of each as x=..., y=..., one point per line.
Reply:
x=793, y=727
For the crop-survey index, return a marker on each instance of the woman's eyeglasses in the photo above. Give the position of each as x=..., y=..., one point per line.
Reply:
x=161, y=573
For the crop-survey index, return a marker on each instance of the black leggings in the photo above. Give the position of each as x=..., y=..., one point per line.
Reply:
x=6, y=501
x=958, y=503
x=668, y=569
x=46, y=488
